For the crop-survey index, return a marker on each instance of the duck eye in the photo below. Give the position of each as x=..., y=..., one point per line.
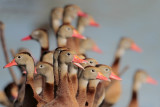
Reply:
x=19, y=57
x=92, y=70
x=68, y=28
x=68, y=54
x=91, y=62
x=107, y=69
x=41, y=66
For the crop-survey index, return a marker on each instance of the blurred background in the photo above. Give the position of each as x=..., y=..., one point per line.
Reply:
x=137, y=19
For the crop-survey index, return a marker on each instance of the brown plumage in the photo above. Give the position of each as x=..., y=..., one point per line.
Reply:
x=45, y=69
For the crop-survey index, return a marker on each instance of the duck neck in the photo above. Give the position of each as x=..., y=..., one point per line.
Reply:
x=119, y=53
x=55, y=70
x=93, y=83
x=63, y=87
x=44, y=41
x=67, y=19
x=50, y=77
x=61, y=42
x=82, y=86
x=80, y=28
x=55, y=25
x=30, y=70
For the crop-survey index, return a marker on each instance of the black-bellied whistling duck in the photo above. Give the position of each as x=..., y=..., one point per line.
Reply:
x=100, y=90
x=4, y=100
x=85, y=21
x=56, y=17
x=31, y=98
x=113, y=91
x=40, y=35
x=91, y=62
x=55, y=65
x=88, y=44
x=82, y=23
x=89, y=73
x=65, y=32
x=48, y=57
x=45, y=69
x=70, y=13
x=63, y=96
x=140, y=77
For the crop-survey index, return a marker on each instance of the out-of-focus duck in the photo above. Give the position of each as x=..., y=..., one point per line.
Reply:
x=65, y=32
x=113, y=91
x=85, y=21
x=140, y=77
x=56, y=17
x=88, y=44
x=89, y=73
x=64, y=97
x=45, y=69
x=40, y=35
x=31, y=98
x=70, y=13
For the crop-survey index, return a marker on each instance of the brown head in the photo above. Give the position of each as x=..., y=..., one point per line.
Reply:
x=57, y=13
x=89, y=44
x=92, y=73
x=57, y=52
x=23, y=59
x=87, y=21
x=48, y=57
x=107, y=71
x=39, y=35
x=91, y=62
x=45, y=69
x=71, y=12
x=142, y=77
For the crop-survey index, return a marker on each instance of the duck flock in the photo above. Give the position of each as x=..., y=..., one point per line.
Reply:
x=66, y=76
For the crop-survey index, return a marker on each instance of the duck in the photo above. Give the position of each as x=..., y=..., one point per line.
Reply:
x=70, y=13
x=48, y=57
x=113, y=91
x=46, y=69
x=140, y=77
x=90, y=62
x=64, y=32
x=85, y=21
x=63, y=95
x=89, y=73
x=40, y=35
x=87, y=45
x=100, y=89
x=31, y=98
x=56, y=17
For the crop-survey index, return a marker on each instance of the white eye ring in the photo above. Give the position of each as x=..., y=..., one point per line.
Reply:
x=92, y=70
x=107, y=69
x=41, y=66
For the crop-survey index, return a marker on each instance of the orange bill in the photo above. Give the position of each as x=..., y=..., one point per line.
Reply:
x=92, y=22
x=151, y=81
x=96, y=49
x=78, y=60
x=79, y=65
x=102, y=77
x=12, y=63
x=80, y=13
x=26, y=38
x=136, y=48
x=113, y=76
x=77, y=35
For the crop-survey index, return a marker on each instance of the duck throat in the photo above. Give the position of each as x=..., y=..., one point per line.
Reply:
x=55, y=25
x=61, y=42
x=120, y=52
x=80, y=28
x=30, y=70
x=44, y=41
x=93, y=83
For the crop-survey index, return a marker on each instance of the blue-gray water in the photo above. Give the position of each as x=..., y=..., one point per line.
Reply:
x=138, y=19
